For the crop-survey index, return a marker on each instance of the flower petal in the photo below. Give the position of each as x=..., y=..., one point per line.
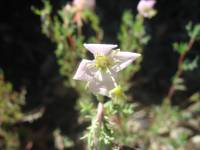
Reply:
x=145, y=4
x=123, y=59
x=100, y=48
x=102, y=87
x=85, y=71
x=145, y=7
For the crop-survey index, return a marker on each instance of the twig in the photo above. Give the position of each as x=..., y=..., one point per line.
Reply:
x=179, y=71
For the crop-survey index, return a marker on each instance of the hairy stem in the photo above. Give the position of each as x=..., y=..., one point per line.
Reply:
x=100, y=112
x=98, y=121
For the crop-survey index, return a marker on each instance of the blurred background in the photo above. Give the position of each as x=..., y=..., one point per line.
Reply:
x=29, y=65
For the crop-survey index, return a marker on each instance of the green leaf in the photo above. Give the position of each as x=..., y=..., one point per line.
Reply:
x=179, y=84
x=195, y=97
x=181, y=47
x=190, y=65
x=193, y=30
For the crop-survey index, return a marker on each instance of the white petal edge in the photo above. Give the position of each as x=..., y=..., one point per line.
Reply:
x=97, y=87
x=100, y=48
x=84, y=71
x=123, y=59
x=102, y=87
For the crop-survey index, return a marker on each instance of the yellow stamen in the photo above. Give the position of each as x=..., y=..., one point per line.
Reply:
x=102, y=62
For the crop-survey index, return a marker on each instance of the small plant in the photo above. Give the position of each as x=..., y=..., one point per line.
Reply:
x=113, y=125
x=100, y=75
x=182, y=49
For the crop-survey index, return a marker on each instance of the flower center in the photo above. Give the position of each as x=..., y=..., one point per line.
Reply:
x=102, y=62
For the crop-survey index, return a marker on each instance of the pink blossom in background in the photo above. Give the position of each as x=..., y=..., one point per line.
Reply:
x=81, y=5
x=145, y=8
x=84, y=4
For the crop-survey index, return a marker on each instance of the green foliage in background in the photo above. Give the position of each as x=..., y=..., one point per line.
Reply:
x=183, y=48
x=133, y=37
x=68, y=35
x=10, y=113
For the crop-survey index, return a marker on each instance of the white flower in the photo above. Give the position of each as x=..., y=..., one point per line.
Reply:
x=101, y=72
x=145, y=8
